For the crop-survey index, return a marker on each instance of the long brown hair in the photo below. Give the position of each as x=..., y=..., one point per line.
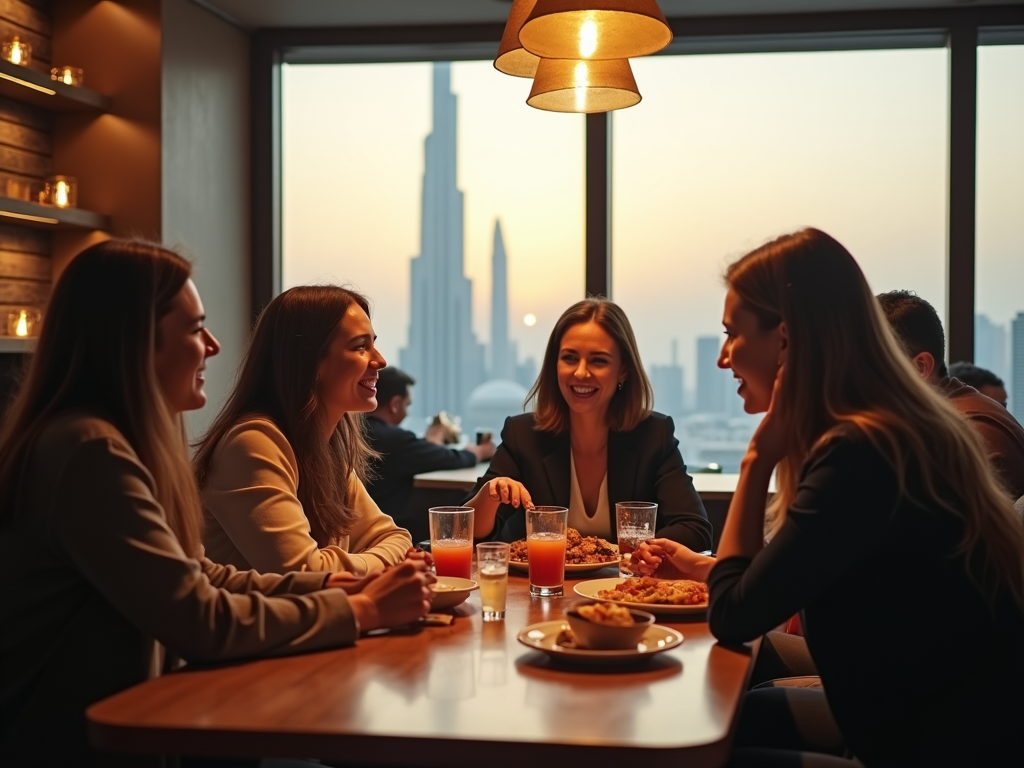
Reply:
x=846, y=372
x=95, y=354
x=630, y=405
x=278, y=381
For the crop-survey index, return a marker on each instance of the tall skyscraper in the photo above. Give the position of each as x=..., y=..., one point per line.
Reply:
x=667, y=382
x=990, y=346
x=1016, y=382
x=711, y=387
x=503, y=358
x=443, y=354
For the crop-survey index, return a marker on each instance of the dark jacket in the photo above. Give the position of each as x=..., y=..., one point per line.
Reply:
x=643, y=465
x=404, y=455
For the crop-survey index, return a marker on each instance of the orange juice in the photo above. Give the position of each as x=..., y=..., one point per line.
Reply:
x=547, y=559
x=453, y=557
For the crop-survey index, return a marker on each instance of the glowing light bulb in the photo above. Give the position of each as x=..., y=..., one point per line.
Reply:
x=16, y=54
x=61, y=196
x=581, y=75
x=588, y=38
x=21, y=329
x=69, y=77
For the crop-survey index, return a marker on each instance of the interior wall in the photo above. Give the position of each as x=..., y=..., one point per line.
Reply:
x=205, y=185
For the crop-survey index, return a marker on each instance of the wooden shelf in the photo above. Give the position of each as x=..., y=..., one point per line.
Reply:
x=27, y=213
x=35, y=88
x=16, y=345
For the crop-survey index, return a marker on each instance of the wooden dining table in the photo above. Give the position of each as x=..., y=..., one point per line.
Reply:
x=465, y=694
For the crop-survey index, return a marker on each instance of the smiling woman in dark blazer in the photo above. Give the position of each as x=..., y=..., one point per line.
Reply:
x=592, y=441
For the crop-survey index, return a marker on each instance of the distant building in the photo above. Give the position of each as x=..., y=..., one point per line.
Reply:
x=503, y=352
x=1016, y=377
x=667, y=382
x=990, y=346
x=443, y=354
x=716, y=388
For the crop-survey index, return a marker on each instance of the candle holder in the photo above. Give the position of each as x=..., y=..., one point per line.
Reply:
x=68, y=75
x=23, y=323
x=60, y=192
x=17, y=51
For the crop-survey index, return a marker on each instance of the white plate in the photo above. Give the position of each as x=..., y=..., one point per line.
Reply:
x=542, y=636
x=569, y=567
x=456, y=595
x=592, y=587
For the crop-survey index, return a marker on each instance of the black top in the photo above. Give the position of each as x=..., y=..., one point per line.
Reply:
x=404, y=455
x=919, y=669
x=643, y=465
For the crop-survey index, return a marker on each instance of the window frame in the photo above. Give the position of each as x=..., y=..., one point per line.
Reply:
x=960, y=30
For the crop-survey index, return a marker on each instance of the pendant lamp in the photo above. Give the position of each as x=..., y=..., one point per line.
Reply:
x=512, y=58
x=595, y=29
x=564, y=85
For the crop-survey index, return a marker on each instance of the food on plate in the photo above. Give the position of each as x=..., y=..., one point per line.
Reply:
x=656, y=592
x=438, y=587
x=607, y=613
x=578, y=549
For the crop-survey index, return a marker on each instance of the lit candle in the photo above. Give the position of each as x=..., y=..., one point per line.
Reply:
x=60, y=194
x=68, y=75
x=21, y=329
x=17, y=51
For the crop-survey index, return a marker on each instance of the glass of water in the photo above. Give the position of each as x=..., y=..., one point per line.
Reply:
x=492, y=565
x=634, y=524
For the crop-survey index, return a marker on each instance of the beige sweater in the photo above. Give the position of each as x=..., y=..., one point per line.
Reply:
x=254, y=518
x=95, y=578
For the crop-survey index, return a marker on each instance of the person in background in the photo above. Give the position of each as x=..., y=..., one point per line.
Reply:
x=283, y=466
x=402, y=455
x=593, y=440
x=981, y=379
x=100, y=517
x=919, y=330
x=888, y=524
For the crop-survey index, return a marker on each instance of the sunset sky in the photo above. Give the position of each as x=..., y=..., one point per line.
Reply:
x=723, y=153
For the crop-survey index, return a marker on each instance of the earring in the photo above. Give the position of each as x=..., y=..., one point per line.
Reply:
x=620, y=386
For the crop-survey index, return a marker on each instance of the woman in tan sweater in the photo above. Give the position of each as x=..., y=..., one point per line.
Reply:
x=100, y=517
x=282, y=468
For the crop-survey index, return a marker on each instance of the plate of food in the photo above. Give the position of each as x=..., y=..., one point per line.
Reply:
x=582, y=553
x=450, y=591
x=648, y=594
x=556, y=639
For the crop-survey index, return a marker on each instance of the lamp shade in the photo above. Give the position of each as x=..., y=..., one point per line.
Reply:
x=563, y=85
x=595, y=29
x=512, y=58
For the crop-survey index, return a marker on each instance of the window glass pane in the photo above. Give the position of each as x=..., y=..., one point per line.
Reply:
x=398, y=170
x=999, y=286
x=726, y=152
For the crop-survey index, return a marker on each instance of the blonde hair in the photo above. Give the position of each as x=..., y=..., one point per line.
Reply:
x=846, y=373
x=97, y=356
x=630, y=405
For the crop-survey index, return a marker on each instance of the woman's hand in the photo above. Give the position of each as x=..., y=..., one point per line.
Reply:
x=348, y=582
x=415, y=553
x=505, y=490
x=400, y=595
x=669, y=559
x=768, y=445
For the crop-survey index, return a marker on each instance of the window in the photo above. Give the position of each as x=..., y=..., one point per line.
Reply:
x=405, y=180
x=728, y=151
x=999, y=274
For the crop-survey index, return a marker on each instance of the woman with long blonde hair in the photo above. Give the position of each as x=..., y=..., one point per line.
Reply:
x=889, y=530
x=100, y=517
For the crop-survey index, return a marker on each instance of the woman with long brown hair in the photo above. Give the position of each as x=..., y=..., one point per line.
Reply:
x=283, y=467
x=889, y=530
x=592, y=441
x=100, y=524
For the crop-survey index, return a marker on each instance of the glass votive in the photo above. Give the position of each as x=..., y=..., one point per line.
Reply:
x=23, y=322
x=17, y=51
x=68, y=75
x=60, y=191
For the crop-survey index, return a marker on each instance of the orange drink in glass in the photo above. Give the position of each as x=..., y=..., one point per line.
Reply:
x=545, y=543
x=451, y=541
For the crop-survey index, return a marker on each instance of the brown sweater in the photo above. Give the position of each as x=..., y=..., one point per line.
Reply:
x=1002, y=434
x=96, y=579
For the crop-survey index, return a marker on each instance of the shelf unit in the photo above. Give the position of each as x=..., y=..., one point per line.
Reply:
x=31, y=87
x=27, y=213
x=15, y=345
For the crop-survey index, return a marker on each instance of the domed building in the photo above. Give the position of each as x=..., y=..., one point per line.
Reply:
x=490, y=404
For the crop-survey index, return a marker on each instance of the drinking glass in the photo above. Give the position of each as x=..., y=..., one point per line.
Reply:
x=492, y=565
x=634, y=524
x=451, y=541
x=545, y=547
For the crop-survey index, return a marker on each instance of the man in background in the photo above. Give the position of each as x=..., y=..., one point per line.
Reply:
x=918, y=328
x=403, y=455
x=981, y=379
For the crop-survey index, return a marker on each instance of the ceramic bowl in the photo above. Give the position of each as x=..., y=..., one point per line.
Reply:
x=607, y=637
x=450, y=591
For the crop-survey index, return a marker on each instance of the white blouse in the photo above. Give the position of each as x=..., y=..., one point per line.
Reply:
x=600, y=523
